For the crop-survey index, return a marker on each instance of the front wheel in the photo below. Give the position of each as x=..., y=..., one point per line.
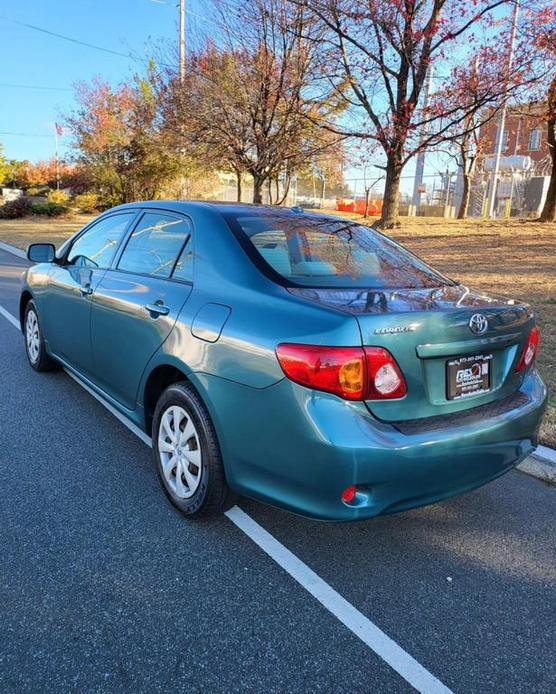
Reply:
x=34, y=341
x=187, y=454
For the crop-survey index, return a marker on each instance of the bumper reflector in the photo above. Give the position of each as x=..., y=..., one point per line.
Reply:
x=348, y=495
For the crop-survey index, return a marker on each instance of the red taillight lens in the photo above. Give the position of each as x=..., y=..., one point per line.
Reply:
x=530, y=350
x=339, y=370
x=353, y=373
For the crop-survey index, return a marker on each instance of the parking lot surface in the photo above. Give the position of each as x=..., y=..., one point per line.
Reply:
x=104, y=588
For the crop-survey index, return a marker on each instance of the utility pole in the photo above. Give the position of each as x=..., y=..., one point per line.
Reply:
x=502, y=122
x=182, y=41
x=420, y=161
x=58, y=130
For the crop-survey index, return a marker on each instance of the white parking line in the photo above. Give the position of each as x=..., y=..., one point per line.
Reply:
x=362, y=627
x=8, y=316
x=13, y=250
x=355, y=621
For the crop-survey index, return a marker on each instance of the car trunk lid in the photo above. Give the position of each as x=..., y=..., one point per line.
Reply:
x=429, y=333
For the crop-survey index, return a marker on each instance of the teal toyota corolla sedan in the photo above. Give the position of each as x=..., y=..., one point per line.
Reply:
x=300, y=359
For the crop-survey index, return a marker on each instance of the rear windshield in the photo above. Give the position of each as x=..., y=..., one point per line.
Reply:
x=311, y=252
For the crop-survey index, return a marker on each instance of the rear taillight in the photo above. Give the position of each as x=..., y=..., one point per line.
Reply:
x=385, y=381
x=353, y=373
x=530, y=350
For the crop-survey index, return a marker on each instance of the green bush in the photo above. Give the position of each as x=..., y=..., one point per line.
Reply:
x=87, y=202
x=60, y=197
x=50, y=209
x=14, y=209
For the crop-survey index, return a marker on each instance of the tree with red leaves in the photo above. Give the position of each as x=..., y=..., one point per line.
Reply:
x=382, y=49
x=118, y=140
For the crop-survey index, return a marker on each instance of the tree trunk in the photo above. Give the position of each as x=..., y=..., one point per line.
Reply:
x=465, y=196
x=391, y=200
x=257, y=190
x=286, y=190
x=548, y=213
x=367, y=195
x=238, y=185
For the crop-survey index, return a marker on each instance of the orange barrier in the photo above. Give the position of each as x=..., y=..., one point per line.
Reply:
x=358, y=205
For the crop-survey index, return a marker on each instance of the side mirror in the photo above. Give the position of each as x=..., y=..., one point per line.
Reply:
x=41, y=252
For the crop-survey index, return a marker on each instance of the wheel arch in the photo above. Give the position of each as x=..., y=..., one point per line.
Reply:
x=24, y=299
x=161, y=376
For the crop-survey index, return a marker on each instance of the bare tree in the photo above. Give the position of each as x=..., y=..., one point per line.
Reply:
x=382, y=49
x=246, y=104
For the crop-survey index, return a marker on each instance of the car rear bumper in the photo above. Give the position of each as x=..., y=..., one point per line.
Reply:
x=299, y=449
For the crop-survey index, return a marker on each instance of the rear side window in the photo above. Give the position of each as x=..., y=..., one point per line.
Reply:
x=97, y=246
x=155, y=245
x=184, y=266
x=309, y=251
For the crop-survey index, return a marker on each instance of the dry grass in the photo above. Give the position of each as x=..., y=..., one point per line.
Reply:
x=22, y=232
x=515, y=258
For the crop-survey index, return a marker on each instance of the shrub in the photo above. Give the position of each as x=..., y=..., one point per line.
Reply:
x=15, y=208
x=59, y=197
x=50, y=209
x=36, y=192
x=87, y=202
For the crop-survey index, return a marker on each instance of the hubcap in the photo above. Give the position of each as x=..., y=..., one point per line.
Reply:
x=32, y=336
x=180, y=452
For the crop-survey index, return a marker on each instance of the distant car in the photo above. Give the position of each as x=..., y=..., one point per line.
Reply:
x=296, y=358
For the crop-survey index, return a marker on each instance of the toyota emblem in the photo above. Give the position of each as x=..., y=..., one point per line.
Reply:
x=478, y=324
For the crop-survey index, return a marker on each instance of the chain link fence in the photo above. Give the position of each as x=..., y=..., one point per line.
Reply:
x=518, y=194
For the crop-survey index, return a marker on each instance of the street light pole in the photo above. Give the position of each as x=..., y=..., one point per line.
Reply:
x=420, y=160
x=502, y=121
x=182, y=41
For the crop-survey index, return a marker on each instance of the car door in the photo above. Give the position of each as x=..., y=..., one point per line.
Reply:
x=72, y=283
x=137, y=302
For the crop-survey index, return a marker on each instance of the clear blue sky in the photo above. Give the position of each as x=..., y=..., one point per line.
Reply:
x=36, y=59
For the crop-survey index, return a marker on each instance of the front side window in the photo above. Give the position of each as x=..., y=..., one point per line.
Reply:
x=98, y=245
x=307, y=251
x=155, y=244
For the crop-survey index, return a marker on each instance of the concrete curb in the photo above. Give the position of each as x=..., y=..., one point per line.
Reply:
x=13, y=250
x=540, y=464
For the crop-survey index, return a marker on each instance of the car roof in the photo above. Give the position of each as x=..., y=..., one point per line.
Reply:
x=223, y=208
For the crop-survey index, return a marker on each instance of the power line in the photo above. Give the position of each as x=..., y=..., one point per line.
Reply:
x=69, y=38
x=9, y=132
x=34, y=86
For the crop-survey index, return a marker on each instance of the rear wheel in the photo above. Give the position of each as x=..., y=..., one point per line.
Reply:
x=187, y=454
x=34, y=341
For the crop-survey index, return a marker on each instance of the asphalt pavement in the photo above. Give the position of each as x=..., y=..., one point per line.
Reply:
x=105, y=588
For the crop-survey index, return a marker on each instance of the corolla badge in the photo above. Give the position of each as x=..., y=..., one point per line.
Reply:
x=478, y=324
x=394, y=329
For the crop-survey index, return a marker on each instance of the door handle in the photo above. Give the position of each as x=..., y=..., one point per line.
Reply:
x=86, y=289
x=157, y=309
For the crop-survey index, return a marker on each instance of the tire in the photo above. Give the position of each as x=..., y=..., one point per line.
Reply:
x=34, y=341
x=188, y=463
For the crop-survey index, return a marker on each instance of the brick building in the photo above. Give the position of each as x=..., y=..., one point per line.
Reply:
x=524, y=134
